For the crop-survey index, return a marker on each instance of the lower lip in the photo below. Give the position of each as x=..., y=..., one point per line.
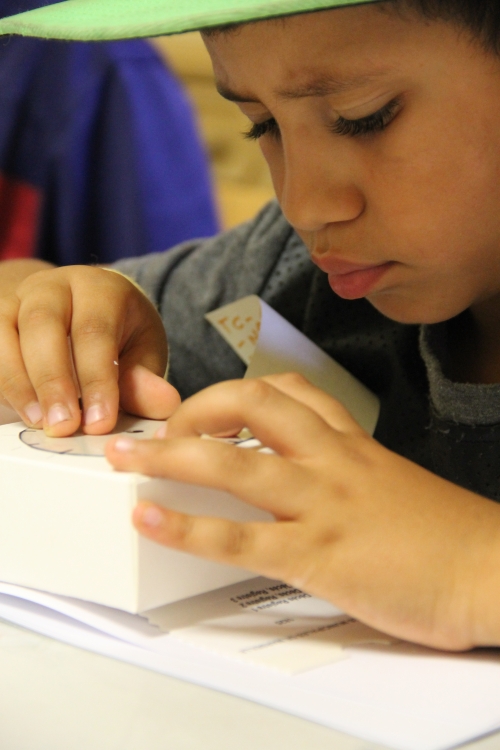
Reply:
x=357, y=284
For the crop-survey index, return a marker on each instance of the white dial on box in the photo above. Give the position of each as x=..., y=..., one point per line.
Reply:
x=89, y=445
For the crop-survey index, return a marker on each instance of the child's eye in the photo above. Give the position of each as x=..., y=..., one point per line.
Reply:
x=259, y=129
x=374, y=123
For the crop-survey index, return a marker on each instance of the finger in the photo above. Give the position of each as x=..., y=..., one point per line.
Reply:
x=43, y=320
x=113, y=344
x=16, y=389
x=95, y=336
x=301, y=389
x=279, y=421
x=261, y=480
x=98, y=334
x=147, y=395
x=143, y=361
x=259, y=547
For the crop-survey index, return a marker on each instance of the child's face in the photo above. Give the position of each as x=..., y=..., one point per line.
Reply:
x=415, y=201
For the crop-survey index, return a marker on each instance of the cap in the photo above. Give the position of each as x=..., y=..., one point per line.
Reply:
x=96, y=20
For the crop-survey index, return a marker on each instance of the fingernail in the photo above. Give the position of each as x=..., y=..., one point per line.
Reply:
x=34, y=413
x=95, y=413
x=57, y=414
x=151, y=517
x=162, y=432
x=124, y=444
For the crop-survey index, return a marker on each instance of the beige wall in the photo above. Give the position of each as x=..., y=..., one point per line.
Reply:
x=241, y=177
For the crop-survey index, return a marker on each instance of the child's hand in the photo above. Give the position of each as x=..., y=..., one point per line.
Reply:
x=380, y=537
x=119, y=351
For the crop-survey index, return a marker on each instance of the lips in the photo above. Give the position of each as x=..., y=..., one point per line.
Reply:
x=349, y=280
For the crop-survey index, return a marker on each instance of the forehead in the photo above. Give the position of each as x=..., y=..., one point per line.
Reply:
x=315, y=52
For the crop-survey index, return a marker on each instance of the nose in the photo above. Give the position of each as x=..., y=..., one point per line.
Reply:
x=315, y=189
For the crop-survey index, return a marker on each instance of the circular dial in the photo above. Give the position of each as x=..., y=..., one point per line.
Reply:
x=89, y=445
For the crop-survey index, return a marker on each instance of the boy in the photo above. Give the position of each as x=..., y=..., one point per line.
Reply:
x=379, y=123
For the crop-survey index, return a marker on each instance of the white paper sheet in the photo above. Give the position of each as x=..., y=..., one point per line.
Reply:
x=316, y=633
x=409, y=699
x=406, y=697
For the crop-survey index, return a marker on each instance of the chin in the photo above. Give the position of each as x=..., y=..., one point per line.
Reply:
x=412, y=311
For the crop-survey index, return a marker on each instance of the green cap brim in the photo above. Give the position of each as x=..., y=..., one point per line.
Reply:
x=97, y=20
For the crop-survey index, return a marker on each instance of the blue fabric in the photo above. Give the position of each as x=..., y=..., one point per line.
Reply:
x=107, y=135
x=11, y=7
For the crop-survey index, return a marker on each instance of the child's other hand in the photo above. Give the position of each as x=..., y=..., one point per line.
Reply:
x=119, y=351
x=380, y=537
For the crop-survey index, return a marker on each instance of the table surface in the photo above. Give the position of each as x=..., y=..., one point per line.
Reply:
x=57, y=697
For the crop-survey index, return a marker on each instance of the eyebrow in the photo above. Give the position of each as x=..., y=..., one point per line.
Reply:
x=322, y=86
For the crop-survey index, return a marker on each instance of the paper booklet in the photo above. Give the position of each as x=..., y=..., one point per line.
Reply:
x=73, y=568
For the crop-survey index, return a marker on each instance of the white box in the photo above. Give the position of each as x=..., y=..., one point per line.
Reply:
x=65, y=525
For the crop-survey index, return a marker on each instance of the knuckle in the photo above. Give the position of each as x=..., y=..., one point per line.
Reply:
x=106, y=282
x=358, y=451
x=36, y=315
x=255, y=390
x=237, y=466
x=181, y=529
x=51, y=382
x=236, y=540
x=95, y=384
x=292, y=379
x=27, y=285
x=41, y=276
x=12, y=386
x=9, y=307
x=91, y=327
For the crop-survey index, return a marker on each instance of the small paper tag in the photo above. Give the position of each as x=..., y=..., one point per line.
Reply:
x=269, y=344
x=239, y=324
x=267, y=623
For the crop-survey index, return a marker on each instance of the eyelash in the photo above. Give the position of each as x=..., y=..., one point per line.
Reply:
x=374, y=123
x=259, y=129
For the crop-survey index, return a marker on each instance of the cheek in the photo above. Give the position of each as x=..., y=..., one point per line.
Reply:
x=423, y=194
x=437, y=202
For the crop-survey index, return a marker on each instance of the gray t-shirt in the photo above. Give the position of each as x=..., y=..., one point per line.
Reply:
x=450, y=428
